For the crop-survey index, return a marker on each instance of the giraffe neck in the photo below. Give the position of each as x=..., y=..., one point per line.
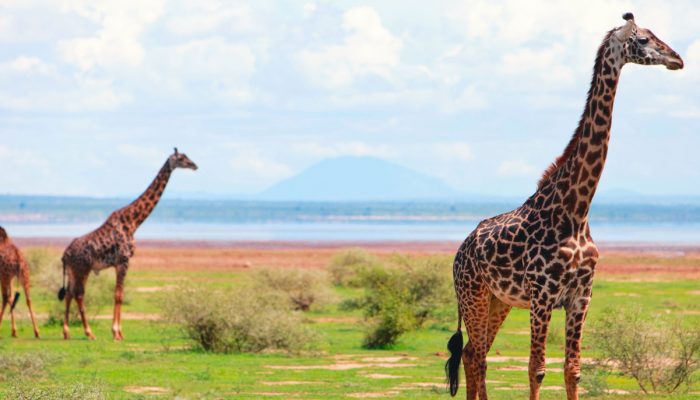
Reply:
x=574, y=177
x=141, y=208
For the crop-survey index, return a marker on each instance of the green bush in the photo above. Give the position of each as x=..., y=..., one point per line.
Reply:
x=244, y=320
x=14, y=366
x=594, y=379
x=661, y=355
x=304, y=287
x=401, y=297
x=28, y=390
x=348, y=267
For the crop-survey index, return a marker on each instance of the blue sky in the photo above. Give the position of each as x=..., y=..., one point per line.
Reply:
x=483, y=94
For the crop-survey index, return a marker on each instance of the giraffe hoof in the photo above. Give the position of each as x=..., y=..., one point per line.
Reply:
x=539, y=377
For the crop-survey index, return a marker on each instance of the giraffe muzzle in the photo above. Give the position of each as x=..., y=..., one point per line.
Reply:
x=673, y=61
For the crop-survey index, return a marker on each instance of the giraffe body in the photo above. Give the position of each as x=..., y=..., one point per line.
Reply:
x=541, y=256
x=14, y=265
x=112, y=245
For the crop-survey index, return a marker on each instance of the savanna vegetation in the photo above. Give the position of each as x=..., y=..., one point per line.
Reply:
x=367, y=324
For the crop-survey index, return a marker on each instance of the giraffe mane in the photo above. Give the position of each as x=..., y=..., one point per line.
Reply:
x=571, y=146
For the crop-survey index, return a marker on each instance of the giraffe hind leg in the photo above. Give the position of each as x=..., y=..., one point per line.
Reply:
x=498, y=311
x=24, y=278
x=66, y=318
x=5, y=287
x=476, y=321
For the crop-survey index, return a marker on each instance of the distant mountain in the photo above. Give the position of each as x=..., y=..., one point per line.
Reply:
x=352, y=178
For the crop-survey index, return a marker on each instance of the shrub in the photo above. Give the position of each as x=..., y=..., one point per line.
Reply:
x=43, y=261
x=245, y=320
x=304, y=287
x=347, y=267
x=594, y=379
x=401, y=297
x=28, y=390
x=659, y=355
x=14, y=366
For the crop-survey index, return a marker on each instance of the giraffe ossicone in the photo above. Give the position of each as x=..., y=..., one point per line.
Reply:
x=112, y=245
x=541, y=256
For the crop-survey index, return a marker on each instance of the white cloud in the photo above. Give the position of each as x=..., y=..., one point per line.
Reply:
x=117, y=42
x=143, y=154
x=207, y=16
x=369, y=49
x=27, y=65
x=516, y=168
x=318, y=150
x=545, y=66
x=470, y=98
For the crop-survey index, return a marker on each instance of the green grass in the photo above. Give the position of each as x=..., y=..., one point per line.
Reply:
x=155, y=354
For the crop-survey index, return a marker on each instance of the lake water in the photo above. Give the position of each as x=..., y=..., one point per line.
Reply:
x=238, y=220
x=352, y=231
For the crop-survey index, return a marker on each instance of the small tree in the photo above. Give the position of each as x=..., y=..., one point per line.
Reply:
x=401, y=297
x=348, y=267
x=659, y=355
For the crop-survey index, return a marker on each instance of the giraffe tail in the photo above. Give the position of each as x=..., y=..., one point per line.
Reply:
x=14, y=301
x=62, y=290
x=455, y=346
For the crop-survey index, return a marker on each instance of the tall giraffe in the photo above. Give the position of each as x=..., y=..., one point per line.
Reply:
x=541, y=256
x=112, y=245
x=13, y=264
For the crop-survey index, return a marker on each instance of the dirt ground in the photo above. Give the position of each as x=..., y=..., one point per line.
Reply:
x=623, y=261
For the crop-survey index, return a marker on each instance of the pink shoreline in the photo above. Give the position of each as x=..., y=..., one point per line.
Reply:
x=385, y=245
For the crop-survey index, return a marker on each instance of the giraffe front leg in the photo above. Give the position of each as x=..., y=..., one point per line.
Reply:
x=118, y=298
x=575, y=318
x=539, y=324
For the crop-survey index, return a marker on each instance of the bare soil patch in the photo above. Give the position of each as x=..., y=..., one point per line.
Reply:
x=154, y=289
x=370, y=395
x=284, y=383
x=340, y=366
x=626, y=261
x=146, y=389
x=382, y=376
x=134, y=316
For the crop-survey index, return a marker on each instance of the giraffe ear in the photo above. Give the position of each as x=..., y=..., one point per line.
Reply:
x=625, y=31
x=175, y=150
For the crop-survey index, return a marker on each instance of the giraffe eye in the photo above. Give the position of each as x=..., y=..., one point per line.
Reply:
x=643, y=40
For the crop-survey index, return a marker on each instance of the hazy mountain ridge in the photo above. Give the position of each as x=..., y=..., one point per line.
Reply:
x=352, y=178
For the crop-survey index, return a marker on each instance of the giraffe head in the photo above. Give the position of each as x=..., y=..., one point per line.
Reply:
x=180, y=160
x=641, y=46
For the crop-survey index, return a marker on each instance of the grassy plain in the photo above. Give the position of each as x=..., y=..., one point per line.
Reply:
x=156, y=361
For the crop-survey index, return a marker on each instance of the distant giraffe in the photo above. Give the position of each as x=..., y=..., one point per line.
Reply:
x=13, y=264
x=541, y=256
x=112, y=245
